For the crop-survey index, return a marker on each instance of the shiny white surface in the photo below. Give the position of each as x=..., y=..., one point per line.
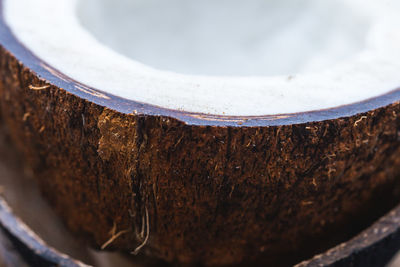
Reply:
x=261, y=56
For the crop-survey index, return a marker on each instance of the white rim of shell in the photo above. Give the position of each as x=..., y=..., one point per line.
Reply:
x=243, y=58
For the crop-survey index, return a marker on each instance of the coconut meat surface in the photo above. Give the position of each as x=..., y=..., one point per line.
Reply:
x=247, y=58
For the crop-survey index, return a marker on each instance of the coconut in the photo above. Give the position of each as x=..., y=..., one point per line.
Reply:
x=207, y=132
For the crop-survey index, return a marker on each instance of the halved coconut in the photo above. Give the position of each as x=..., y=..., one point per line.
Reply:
x=211, y=132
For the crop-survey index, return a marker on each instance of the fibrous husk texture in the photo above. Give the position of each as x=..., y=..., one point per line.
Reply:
x=213, y=195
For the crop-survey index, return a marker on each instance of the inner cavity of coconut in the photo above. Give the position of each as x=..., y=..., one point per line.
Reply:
x=249, y=58
x=227, y=37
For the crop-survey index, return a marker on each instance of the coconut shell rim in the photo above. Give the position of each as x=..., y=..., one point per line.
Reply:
x=51, y=76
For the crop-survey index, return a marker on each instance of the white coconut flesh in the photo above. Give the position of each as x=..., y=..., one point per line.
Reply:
x=223, y=57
